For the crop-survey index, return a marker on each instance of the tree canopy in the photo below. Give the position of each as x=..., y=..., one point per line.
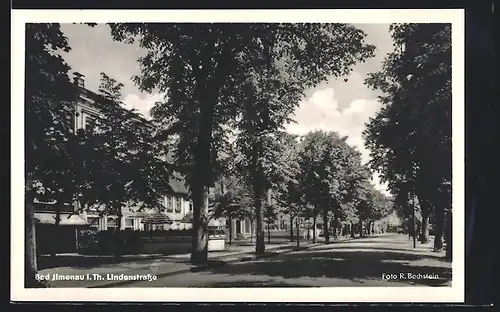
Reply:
x=206, y=71
x=125, y=163
x=415, y=81
x=49, y=112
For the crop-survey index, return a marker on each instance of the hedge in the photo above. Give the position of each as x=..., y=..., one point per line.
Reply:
x=93, y=242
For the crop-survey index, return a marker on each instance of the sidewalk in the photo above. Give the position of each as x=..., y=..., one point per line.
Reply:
x=160, y=266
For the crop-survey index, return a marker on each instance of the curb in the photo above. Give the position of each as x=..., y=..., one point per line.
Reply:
x=218, y=263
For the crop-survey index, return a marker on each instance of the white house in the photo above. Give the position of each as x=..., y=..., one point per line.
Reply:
x=177, y=204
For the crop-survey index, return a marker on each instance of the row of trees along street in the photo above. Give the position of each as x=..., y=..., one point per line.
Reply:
x=229, y=90
x=415, y=82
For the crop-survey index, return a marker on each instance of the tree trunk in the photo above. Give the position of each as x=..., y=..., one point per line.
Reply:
x=298, y=231
x=314, y=227
x=360, y=228
x=426, y=208
x=199, y=239
x=30, y=257
x=439, y=229
x=352, y=230
x=251, y=231
x=258, y=180
x=230, y=231
x=325, y=225
x=291, y=228
x=268, y=233
x=260, y=246
x=251, y=237
x=207, y=94
x=269, y=205
x=334, y=227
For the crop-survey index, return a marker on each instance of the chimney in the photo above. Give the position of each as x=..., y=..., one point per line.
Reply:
x=79, y=79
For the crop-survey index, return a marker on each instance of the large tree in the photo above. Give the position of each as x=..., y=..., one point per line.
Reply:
x=49, y=111
x=331, y=170
x=124, y=163
x=372, y=206
x=415, y=80
x=202, y=68
x=266, y=162
x=231, y=200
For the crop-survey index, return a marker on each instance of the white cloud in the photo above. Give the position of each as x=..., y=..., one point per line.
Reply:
x=321, y=112
x=142, y=105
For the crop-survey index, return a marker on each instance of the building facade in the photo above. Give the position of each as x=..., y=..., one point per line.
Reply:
x=177, y=204
x=241, y=228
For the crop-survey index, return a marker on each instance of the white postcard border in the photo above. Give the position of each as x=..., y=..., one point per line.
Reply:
x=455, y=293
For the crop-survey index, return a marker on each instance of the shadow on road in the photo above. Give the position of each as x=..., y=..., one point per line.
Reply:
x=355, y=266
x=387, y=250
x=251, y=284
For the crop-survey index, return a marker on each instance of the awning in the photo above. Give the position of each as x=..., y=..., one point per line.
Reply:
x=44, y=218
x=158, y=218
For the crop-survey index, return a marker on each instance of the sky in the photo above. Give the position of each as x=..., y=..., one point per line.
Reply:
x=334, y=105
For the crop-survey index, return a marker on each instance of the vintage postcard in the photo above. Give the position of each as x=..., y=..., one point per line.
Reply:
x=237, y=155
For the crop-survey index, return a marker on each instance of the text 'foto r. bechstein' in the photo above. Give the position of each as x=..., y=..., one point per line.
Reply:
x=238, y=155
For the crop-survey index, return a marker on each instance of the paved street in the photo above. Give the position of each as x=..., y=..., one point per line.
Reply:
x=385, y=260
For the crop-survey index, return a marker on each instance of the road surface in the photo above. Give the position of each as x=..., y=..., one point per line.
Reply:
x=385, y=260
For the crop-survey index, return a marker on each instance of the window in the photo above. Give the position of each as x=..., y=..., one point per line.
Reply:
x=178, y=205
x=93, y=223
x=170, y=207
x=129, y=223
x=111, y=224
x=89, y=122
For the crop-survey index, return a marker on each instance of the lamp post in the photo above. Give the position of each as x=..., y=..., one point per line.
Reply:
x=413, y=207
x=414, y=223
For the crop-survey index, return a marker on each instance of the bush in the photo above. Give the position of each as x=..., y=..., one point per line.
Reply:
x=92, y=242
x=88, y=242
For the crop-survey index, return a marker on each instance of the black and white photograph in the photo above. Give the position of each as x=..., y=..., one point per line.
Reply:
x=286, y=157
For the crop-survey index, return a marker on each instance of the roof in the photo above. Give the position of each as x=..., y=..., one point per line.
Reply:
x=157, y=218
x=91, y=95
